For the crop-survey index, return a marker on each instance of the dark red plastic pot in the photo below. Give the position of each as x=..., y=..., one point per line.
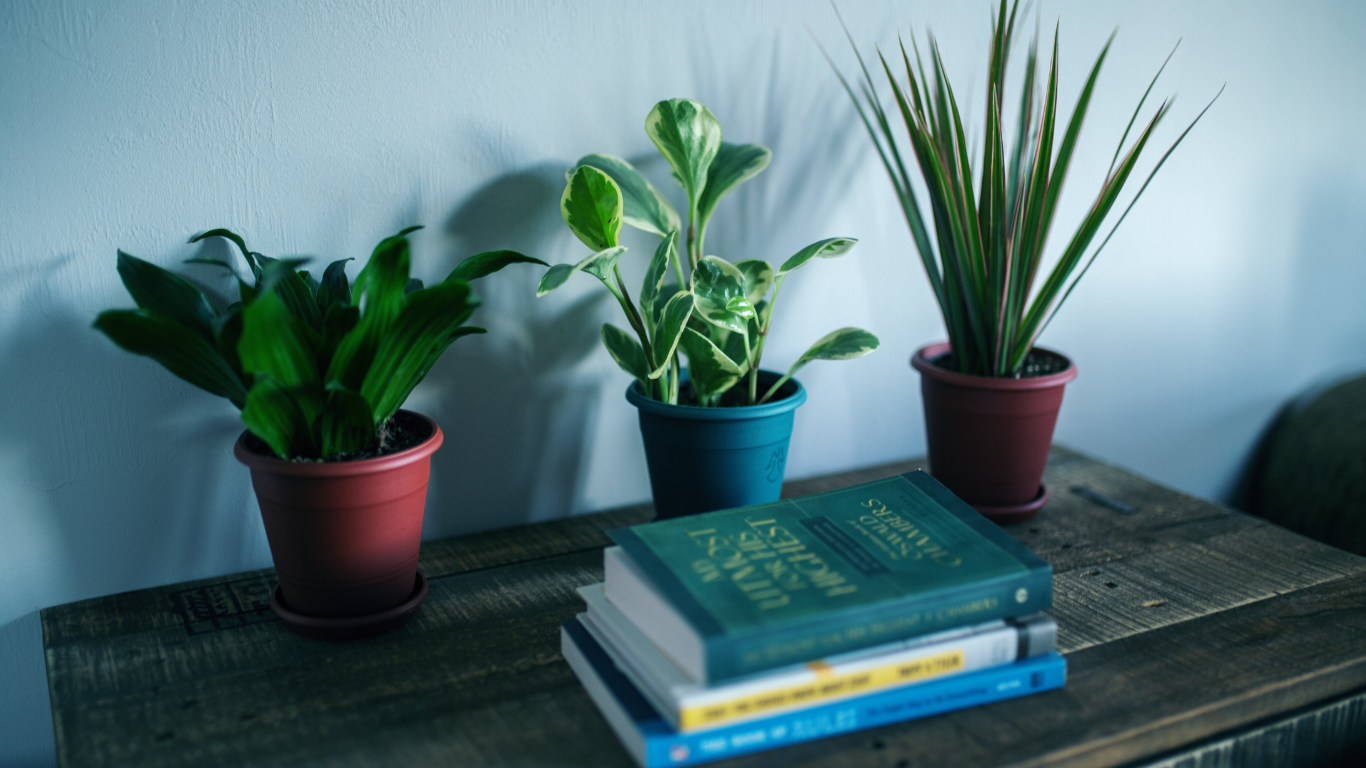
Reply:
x=344, y=535
x=989, y=437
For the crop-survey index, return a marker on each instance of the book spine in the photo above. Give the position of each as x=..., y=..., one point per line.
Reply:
x=1003, y=598
x=823, y=683
x=911, y=702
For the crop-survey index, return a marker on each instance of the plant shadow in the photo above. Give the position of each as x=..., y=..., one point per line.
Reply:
x=516, y=410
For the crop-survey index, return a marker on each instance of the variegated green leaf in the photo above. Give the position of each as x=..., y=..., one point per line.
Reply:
x=734, y=165
x=673, y=320
x=592, y=207
x=643, y=206
x=843, y=344
x=825, y=249
x=720, y=290
x=710, y=370
x=626, y=350
x=599, y=265
x=758, y=276
x=655, y=274
x=689, y=136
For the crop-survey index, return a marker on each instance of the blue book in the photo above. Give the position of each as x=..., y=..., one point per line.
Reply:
x=652, y=743
x=741, y=591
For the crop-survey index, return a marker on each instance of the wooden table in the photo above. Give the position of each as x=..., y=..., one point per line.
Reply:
x=1186, y=625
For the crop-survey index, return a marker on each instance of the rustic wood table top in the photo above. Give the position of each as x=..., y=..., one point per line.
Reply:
x=1181, y=620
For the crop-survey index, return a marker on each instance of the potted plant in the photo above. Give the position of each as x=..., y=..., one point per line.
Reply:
x=319, y=369
x=991, y=396
x=716, y=433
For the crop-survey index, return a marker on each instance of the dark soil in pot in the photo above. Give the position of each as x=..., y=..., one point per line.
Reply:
x=399, y=433
x=1039, y=362
x=735, y=397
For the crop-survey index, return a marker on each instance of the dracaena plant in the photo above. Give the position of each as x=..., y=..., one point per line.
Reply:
x=716, y=312
x=317, y=367
x=984, y=252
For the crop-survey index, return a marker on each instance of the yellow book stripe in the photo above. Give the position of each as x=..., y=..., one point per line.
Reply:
x=827, y=685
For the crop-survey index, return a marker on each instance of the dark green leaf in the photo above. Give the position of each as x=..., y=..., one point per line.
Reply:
x=334, y=288
x=348, y=424
x=238, y=241
x=273, y=414
x=424, y=328
x=340, y=320
x=483, y=264
x=277, y=344
x=414, y=284
x=165, y=293
x=381, y=284
x=182, y=351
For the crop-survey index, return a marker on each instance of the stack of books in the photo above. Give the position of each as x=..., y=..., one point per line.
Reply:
x=754, y=628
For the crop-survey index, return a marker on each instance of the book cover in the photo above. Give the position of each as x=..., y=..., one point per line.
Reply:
x=798, y=579
x=653, y=744
x=691, y=706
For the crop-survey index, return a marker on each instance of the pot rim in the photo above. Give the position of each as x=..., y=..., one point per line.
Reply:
x=922, y=357
x=277, y=466
x=636, y=397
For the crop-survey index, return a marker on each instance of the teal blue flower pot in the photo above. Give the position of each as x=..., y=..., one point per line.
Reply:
x=703, y=459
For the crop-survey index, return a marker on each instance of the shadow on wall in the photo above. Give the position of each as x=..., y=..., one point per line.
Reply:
x=515, y=412
x=134, y=465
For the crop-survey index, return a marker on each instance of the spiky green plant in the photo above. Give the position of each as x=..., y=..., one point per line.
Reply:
x=318, y=368
x=984, y=252
x=718, y=314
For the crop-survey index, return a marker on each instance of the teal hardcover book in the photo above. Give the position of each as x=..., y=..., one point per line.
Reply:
x=738, y=591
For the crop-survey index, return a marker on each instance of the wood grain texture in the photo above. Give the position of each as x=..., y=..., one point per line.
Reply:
x=1328, y=736
x=1182, y=620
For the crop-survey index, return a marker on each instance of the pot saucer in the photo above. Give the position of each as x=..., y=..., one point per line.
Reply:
x=348, y=627
x=1014, y=513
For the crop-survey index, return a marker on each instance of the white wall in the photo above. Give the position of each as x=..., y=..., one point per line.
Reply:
x=1234, y=284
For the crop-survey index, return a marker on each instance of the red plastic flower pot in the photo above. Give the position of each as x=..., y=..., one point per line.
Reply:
x=344, y=534
x=989, y=437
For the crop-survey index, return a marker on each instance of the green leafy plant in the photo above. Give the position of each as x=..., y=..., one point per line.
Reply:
x=716, y=312
x=317, y=367
x=984, y=252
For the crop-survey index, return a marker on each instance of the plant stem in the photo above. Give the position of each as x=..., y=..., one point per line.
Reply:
x=633, y=316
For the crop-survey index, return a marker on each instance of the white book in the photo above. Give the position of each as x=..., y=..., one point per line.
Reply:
x=689, y=705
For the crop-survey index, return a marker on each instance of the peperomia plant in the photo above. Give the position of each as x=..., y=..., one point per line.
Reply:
x=716, y=312
x=317, y=367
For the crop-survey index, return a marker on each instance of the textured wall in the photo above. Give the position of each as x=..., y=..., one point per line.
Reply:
x=319, y=128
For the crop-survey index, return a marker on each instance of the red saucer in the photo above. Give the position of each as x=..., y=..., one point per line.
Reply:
x=348, y=627
x=1014, y=513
